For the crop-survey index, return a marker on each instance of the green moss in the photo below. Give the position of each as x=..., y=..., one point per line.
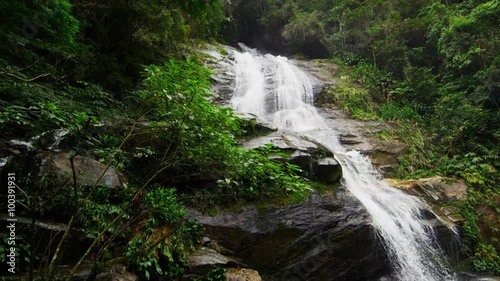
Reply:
x=222, y=50
x=383, y=135
x=212, y=211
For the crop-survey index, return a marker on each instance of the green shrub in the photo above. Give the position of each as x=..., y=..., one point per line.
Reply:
x=203, y=135
x=162, y=239
x=393, y=111
x=356, y=102
x=372, y=78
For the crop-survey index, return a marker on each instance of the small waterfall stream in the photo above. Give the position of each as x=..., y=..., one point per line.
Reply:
x=275, y=90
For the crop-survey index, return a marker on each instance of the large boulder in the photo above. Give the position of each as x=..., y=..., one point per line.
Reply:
x=436, y=189
x=59, y=169
x=326, y=237
x=442, y=193
x=88, y=172
x=205, y=257
x=327, y=170
x=256, y=125
x=242, y=274
x=302, y=151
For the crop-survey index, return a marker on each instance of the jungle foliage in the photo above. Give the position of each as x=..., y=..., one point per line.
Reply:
x=80, y=66
x=431, y=65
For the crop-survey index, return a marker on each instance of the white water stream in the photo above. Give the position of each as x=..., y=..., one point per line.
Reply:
x=275, y=90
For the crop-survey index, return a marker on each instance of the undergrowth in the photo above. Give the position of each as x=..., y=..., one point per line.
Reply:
x=178, y=135
x=435, y=146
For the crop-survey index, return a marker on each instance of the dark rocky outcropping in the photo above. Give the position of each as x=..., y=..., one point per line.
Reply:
x=436, y=189
x=206, y=258
x=326, y=237
x=367, y=137
x=304, y=152
x=88, y=172
x=242, y=274
x=443, y=194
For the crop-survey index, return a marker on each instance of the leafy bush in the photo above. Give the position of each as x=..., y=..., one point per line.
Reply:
x=486, y=258
x=255, y=177
x=355, y=101
x=218, y=273
x=177, y=95
x=203, y=135
x=372, y=78
x=392, y=111
x=162, y=240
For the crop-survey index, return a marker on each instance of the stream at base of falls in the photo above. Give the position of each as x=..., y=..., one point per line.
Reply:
x=277, y=91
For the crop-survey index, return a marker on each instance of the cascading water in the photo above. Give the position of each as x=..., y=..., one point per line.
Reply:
x=275, y=90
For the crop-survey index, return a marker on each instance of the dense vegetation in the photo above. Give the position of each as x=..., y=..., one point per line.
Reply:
x=119, y=77
x=431, y=65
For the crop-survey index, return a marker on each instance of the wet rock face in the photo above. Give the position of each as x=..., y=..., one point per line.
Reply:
x=323, y=238
x=220, y=60
x=364, y=136
x=242, y=274
x=443, y=194
x=323, y=74
x=327, y=170
x=367, y=137
x=435, y=189
x=288, y=141
x=299, y=150
x=58, y=165
x=88, y=171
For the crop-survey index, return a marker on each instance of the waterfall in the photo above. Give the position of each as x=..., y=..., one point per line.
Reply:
x=274, y=89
